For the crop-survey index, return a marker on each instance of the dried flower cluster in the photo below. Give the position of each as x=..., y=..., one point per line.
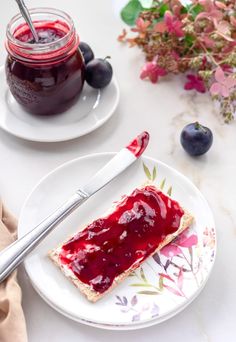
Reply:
x=199, y=38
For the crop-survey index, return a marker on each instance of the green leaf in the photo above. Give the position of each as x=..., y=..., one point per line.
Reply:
x=154, y=173
x=184, y=10
x=162, y=9
x=131, y=11
x=162, y=184
x=143, y=275
x=161, y=283
x=146, y=3
x=189, y=40
x=152, y=293
x=187, y=7
x=141, y=285
x=147, y=172
x=154, y=10
x=169, y=192
x=195, y=10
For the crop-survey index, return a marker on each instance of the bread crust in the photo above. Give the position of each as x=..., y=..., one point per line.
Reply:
x=86, y=289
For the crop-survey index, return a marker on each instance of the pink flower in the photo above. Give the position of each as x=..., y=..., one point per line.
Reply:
x=122, y=36
x=170, y=250
x=183, y=240
x=195, y=82
x=211, y=11
x=173, y=24
x=160, y=27
x=223, y=85
x=152, y=71
x=223, y=29
x=213, y=14
x=141, y=27
x=220, y=5
x=207, y=41
x=186, y=240
x=223, y=6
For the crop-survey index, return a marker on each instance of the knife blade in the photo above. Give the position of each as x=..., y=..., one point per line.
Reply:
x=15, y=253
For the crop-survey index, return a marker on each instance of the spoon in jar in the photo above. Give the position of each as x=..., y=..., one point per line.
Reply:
x=25, y=14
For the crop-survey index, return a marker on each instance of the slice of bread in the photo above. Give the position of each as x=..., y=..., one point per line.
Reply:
x=87, y=290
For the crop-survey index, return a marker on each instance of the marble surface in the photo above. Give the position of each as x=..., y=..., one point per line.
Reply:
x=162, y=110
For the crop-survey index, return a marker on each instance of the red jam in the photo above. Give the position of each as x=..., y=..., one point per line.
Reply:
x=45, y=78
x=109, y=246
x=139, y=144
x=46, y=34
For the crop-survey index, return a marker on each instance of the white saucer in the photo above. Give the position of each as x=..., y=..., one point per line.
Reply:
x=92, y=110
x=162, y=287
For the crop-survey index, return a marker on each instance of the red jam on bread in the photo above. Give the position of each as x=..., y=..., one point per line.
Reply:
x=123, y=239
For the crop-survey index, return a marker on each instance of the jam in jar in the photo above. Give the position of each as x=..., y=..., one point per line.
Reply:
x=46, y=77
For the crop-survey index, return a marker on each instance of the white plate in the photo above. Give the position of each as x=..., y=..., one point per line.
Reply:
x=92, y=110
x=167, y=283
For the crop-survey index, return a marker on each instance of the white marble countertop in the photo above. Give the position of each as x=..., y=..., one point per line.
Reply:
x=162, y=110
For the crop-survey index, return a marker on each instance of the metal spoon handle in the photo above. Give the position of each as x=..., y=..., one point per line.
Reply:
x=25, y=13
x=13, y=255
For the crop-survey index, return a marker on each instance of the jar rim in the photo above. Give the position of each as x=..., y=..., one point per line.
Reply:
x=39, y=53
x=40, y=46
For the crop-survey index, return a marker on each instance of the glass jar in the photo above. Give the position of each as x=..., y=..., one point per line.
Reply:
x=46, y=77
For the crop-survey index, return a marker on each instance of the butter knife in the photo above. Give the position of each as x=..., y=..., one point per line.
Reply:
x=15, y=253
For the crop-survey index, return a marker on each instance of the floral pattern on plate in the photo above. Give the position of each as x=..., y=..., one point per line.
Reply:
x=170, y=277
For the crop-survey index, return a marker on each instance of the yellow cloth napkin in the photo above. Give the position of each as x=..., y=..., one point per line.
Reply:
x=12, y=321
